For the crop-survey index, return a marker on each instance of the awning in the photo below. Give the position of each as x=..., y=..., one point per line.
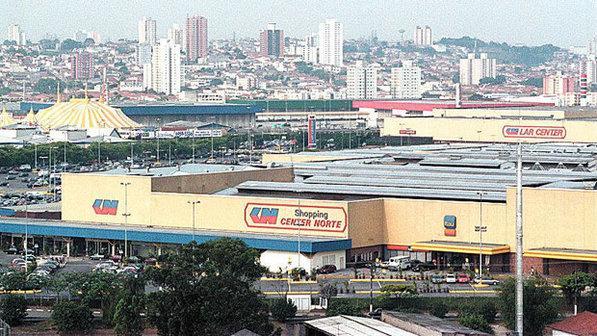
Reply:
x=460, y=247
x=562, y=253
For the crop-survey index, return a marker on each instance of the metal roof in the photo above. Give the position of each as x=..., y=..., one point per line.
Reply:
x=355, y=326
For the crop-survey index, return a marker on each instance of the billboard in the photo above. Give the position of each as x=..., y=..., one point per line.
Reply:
x=537, y=132
x=295, y=217
x=105, y=207
x=311, y=132
x=449, y=226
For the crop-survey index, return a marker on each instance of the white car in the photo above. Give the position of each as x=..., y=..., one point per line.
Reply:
x=450, y=278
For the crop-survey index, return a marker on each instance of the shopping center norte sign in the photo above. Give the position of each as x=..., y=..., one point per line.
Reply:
x=295, y=217
x=535, y=132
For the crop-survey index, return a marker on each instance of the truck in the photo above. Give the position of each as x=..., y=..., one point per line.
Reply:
x=398, y=263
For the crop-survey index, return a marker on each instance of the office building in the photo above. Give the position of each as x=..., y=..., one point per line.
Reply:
x=331, y=43
x=472, y=69
x=558, y=84
x=175, y=34
x=271, y=41
x=361, y=81
x=423, y=36
x=143, y=53
x=165, y=73
x=310, y=50
x=16, y=34
x=405, y=81
x=147, y=31
x=196, y=38
x=590, y=69
x=81, y=65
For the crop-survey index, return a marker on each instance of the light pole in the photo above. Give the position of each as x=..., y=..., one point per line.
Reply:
x=26, y=234
x=169, y=154
x=519, y=280
x=299, y=237
x=480, y=228
x=132, y=154
x=157, y=135
x=126, y=215
x=193, y=203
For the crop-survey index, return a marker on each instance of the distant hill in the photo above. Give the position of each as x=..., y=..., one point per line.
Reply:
x=505, y=53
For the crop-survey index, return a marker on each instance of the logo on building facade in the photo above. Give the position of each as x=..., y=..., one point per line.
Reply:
x=541, y=132
x=105, y=207
x=295, y=217
x=450, y=226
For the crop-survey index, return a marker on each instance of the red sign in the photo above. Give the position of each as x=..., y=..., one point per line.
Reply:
x=537, y=132
x=407, y=131
x=295, y=217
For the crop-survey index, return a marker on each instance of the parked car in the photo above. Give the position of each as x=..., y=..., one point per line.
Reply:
x=11, y=250
x=450, y=278
x=97, y=256
x=486, y=280
x=4, y=184
x=463, y=278
x=437, y=278
x=327, y=269
x=421, y=266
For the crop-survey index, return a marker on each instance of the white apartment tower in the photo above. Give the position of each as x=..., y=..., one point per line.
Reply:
x=147, y=31
x=472, y=69
x=16, y=34
x=331, y=43
x=311, y=50
x=405, y=81
x=361, y=81
x=176, y=34
x=165, y=68
x=423, y=36
x=590, y=67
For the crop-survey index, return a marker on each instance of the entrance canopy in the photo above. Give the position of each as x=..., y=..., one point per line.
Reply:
x=562, y=253
x=460, y=247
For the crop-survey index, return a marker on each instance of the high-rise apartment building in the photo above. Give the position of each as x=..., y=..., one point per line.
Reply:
x=16, y=34
x=361, y=81
x=271, y=41
x=165, y=73
x=589, y=67
x=143, y=53
x=310, y=50
x=558, y=84
x=147, y=31
x=331, y=43
x=472, y=69
x=196, y=38
x=405, y=81
x=176, y=34
x=81, y=65
x=423, y=36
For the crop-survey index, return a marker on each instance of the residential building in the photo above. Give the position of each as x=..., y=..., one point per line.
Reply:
x=81, y=65
x=271, y=41
x=175, y=34
x=196, y=38
x=583, y=324
x=423, y=36
x=16, y=34
x=361, y=81
x=331, y=43
x=590, y=68
x=165, y=68
x=310, y=49
x=558, y=84
x=143, y=53
x=472, y=69
x=405, y=81
x=147, y=31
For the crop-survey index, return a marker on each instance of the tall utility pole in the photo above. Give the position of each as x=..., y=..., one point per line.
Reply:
x=132, y=154
x=193, y=203
x=157, y=135
x=35, y=150
x=519, y=280
x=480, y=228
x=126, y=215
x=299, y=237
x=64, y=159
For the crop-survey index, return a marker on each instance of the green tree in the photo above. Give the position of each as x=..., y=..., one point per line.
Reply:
x=208, y=289
x=48, y=86
x=70, y=44
x=13, y=309
x=475, y=321
x=398, y=290
x=283, y=309
x=338, y=306
x=439, y=309
x=540, y=304
x=131, y=303
x=328, y=291
x=72, y=318
x=574, y=284
x=533, y=81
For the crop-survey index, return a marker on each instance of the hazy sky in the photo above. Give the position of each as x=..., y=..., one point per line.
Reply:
x=561, y=22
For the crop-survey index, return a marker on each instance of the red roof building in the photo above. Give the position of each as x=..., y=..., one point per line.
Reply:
x=583, y=324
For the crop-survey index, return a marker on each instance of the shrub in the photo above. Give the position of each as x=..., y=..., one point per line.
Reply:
x=283, y=309
x=72, y=318
x=476, y=322
x=13, y=309
x=354, y=307
x=439, y=309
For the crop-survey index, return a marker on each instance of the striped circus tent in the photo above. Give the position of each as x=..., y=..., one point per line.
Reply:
x=30, y=119
x=85, y=114
x=5, y=118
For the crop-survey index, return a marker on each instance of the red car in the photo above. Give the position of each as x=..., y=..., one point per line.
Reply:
x=463, y=278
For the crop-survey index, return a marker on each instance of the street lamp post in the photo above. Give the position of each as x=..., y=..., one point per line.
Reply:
x=26, y=235
x=193, y=203
x=157, y=135
x=480, y=228
x=126, y=215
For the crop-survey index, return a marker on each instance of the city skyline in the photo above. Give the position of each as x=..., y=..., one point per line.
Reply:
x=539, y=22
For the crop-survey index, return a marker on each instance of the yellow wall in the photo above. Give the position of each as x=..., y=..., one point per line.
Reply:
x=487, y=130
x=367, y=222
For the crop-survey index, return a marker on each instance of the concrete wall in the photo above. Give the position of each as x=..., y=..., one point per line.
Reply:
x=486, y=130
x=213, y=182
x=282, y=260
